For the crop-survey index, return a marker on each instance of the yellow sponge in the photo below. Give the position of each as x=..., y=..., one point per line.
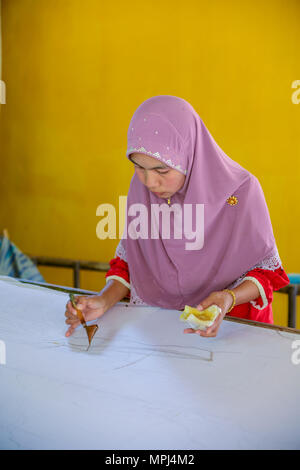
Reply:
x=200, y=319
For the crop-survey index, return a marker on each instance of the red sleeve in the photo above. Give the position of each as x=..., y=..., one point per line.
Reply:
x=277, y=278
x=118, y=267
x=270, y=281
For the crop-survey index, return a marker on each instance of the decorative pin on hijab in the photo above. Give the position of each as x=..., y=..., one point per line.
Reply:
x=232, y=200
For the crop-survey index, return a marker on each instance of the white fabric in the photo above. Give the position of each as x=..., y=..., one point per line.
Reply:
x=120, y=251
x=143, y=384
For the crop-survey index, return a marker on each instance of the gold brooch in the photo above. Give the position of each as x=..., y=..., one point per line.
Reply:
x=232, y=200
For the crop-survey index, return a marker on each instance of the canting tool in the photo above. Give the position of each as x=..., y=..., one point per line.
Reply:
x=90, y=330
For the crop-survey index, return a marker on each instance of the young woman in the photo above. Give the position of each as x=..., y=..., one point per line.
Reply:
x=233, y=261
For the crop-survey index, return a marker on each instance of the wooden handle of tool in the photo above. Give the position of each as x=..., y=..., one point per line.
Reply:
x=79, y=312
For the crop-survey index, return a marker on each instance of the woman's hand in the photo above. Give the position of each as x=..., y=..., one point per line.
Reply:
x=92, y=307
x=224, y=300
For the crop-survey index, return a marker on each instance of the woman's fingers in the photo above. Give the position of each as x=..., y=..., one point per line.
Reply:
x=80, y=301
x=71, y=330
x=71, y=318
x=209, y=332
x=189, y=330
x=70, y=308
x=71, y=321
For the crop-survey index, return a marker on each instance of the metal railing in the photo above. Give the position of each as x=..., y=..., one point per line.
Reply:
x=76, y=265
x=292, y=290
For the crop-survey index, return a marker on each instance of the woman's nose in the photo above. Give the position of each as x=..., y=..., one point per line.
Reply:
x=151, y=181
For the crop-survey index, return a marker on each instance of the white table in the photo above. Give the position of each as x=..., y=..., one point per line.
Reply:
x=143, y=384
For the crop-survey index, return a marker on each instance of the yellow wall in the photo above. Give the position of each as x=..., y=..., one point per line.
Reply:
x=76, y=71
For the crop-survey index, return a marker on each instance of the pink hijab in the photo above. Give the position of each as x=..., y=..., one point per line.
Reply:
x=237, y=227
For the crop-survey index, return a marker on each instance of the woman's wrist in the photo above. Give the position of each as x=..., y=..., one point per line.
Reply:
x=228, y=300
x=245, y=292
x=231, y=299
x=113, y=292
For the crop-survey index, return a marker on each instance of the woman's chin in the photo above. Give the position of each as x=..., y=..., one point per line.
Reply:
x=163, y=195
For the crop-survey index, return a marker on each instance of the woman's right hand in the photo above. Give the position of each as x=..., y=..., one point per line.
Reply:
x=91, y=306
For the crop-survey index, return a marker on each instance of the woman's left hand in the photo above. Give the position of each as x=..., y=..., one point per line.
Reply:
x=224, y=300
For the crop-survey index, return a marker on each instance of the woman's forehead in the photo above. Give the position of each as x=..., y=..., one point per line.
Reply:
x=137, y=155
x=146, y=159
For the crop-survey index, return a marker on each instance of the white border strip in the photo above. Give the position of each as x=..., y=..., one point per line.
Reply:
x=261, y=291
x=120, y=279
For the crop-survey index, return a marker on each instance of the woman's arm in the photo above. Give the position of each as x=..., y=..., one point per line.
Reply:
x=245, y=292
x=113, y=292
x=266, y=281
x=257, y=289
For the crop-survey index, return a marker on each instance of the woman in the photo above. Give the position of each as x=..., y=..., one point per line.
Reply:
x=235, y=265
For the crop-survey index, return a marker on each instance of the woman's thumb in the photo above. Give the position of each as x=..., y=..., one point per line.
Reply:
x=80, y=302
x=204, y=304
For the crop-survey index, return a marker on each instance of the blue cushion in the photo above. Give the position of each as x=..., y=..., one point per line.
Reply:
x=294, y=278
x=15, y=264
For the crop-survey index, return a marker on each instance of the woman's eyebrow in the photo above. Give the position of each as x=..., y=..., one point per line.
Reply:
x=154, y=168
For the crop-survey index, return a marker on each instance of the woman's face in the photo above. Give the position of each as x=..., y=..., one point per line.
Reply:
x=159, y=178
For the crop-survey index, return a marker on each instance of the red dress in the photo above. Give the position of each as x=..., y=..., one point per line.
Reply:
x=259, y=310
